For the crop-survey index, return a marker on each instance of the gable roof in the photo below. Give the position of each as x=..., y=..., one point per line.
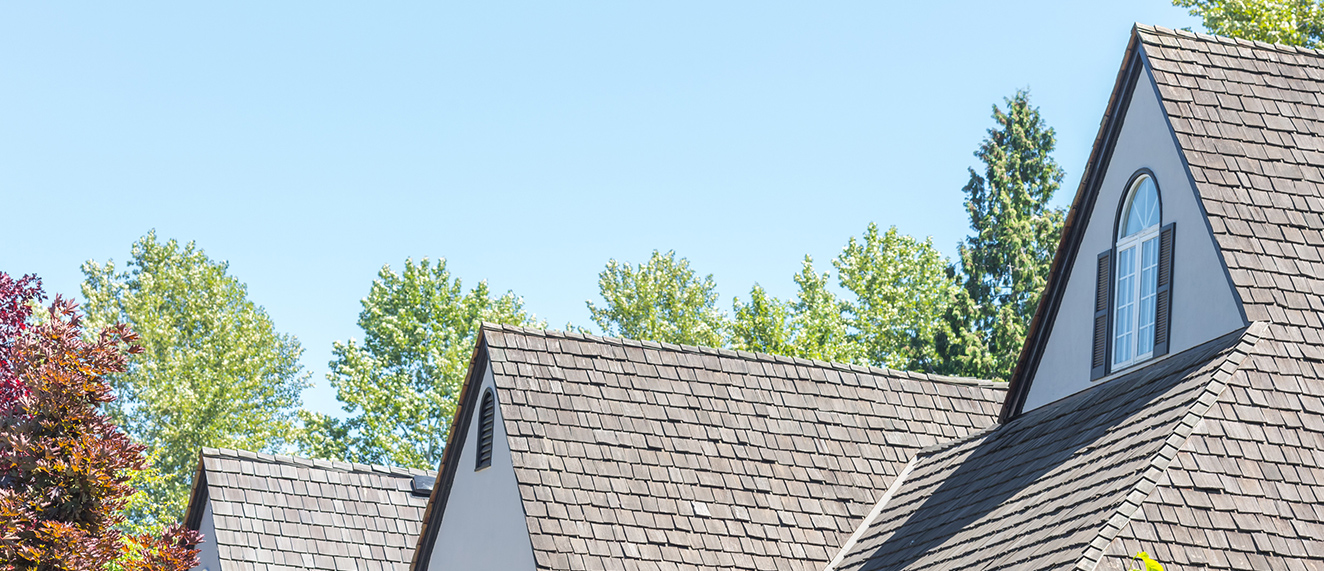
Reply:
x=1249, y=117
x=1039, y=492
x=1236, y=483
x=669, y=455
x=1248, y=121
x=282, y=512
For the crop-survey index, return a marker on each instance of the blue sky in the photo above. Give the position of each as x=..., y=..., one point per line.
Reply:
x=309, y=143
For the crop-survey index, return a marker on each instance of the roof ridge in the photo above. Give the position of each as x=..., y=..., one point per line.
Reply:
x=1287, y=48
x=319, y=463
x=754, y=356
x=1159, y=463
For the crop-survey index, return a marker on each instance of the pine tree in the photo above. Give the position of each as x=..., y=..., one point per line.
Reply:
x=1004, y=264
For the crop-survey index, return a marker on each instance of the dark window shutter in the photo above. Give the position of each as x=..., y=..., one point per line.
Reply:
x=486, y=423
x=1163, y=294
x=1102, y=307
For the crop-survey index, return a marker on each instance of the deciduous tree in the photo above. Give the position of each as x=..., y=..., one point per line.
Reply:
x=901, y=289
x=763, y=324
x=660, y=300
x=1295, y=22
x=213, y=370
x=64, y=466
x=400, y=385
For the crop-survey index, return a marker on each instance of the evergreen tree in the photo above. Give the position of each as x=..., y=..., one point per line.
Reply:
x=1004, y=264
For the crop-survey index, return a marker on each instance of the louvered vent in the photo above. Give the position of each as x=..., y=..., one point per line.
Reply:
x=486, y=423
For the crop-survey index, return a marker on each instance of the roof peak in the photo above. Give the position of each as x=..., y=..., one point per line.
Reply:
x=328, y=465
x=752, y=356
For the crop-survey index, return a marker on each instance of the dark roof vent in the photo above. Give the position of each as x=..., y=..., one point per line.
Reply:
x=486, y=423
x=422, y=485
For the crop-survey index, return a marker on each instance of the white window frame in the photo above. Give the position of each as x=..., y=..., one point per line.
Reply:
x=1136, y=243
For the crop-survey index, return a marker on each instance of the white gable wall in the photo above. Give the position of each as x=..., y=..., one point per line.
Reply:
x=483, y=527
x=1204, y=305
x=209, y=556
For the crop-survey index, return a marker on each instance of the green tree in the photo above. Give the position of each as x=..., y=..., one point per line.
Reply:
x=764, y=324
x=902, y=290
x=661, y=300
x=819, y=320
x=213, y=372
x=64, y=466
x=1005, y=262
x=400, y=385
x=1295, y=22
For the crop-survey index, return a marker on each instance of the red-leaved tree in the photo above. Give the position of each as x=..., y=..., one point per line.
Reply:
x=64, y=467
x=15, y=311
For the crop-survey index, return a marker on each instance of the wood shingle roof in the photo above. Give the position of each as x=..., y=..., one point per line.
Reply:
x=642, y=455
x=274, y=513
x=1212, y=467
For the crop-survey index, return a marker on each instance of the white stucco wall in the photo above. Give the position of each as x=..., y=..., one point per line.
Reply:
x=208, y=554
x=1204, y=305
x=483, y=527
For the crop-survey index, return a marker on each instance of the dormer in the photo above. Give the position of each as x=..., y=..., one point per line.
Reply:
x=1139, y=275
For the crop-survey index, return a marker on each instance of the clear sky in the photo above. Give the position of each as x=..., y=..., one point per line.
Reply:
x=309, y=143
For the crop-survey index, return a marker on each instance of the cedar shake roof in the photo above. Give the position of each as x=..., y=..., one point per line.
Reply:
x=1247, y=488
x=1039, y=492
x=280, y=512
x=643, y=455
x=1234, y=481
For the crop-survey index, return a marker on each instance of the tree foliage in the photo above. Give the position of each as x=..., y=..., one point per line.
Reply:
x=1004, y=264
x=213, y=369
x=901, y=289
x=762, y=324
x=400, y=385
x=1295, y=22
x=819, y=318
x=661, y=300
x=64, y=466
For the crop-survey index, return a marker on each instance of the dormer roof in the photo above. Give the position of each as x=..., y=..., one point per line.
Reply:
x=1248, y=119
x=1209, y=458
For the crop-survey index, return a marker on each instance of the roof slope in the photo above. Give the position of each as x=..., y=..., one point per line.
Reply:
x=1038, y=492
x=1241, y=484
x=1246, y=490
x=659, y=456
x=281, y=512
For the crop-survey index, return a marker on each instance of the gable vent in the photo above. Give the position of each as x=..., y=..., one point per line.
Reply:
x=486, y=423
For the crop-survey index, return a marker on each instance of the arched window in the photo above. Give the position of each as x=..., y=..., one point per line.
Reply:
x=1137, y=273
x=1134, y=288
x=486, y=425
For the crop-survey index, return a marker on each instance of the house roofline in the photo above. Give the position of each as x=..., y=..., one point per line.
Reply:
x=1073, y=228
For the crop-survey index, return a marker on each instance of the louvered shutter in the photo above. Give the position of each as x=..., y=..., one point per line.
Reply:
x=1163, y=294
x=1102, y=306
x=486, y=423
